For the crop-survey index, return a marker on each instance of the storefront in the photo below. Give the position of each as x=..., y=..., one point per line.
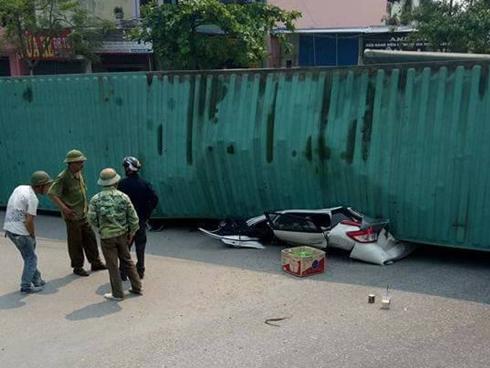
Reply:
x=57, y=58
x=120, y=55
x=123, y=63
x=344, y=47
x=329, y=49
x=45, y=67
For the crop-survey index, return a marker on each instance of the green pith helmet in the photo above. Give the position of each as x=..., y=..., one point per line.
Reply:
x=108, y=177
x=74, y=156
x=40, y=178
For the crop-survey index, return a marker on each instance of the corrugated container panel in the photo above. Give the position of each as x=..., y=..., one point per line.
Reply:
x=409, y=143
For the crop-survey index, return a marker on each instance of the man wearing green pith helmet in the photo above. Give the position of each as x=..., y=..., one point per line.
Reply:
x=113, y=214
x=19, y=227
x=69, y=193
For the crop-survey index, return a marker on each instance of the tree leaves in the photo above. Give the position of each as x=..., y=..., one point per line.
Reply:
x=207, y=34
x=462, y=26
x=28, y=21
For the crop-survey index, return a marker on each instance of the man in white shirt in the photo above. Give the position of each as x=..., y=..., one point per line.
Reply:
x=19, y=227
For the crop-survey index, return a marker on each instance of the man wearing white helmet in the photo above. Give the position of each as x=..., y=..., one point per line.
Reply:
x=144, y=200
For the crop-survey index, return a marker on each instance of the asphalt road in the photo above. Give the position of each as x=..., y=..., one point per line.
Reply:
x=205, y=306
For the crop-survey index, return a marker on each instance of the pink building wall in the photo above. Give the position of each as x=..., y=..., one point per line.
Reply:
x=335, y=13
x=17, y=67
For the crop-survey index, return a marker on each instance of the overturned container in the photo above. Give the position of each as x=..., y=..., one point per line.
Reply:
x=303, y=261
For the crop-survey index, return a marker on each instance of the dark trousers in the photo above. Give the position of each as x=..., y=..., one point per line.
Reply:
x=114, y=250
x=81, y=238
x=140, y=244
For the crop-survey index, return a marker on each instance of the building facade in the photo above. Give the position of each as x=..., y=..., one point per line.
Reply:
x=336, y=32
x=329, y=33
x=117, y=53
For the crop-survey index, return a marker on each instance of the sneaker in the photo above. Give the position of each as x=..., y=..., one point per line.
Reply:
x=109, y=296
x=136, y=292
x=80, y=272
x=99, y=266
x=31, y=290
x=40, y=283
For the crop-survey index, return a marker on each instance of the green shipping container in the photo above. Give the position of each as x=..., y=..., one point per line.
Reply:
x=408, y=142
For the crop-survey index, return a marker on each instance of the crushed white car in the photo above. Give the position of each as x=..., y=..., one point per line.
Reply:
x=365, y=238
x=242, y=234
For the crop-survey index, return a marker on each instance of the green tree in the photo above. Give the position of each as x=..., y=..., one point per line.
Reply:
x=457, y=26
x=208, y=34
x=32, y=26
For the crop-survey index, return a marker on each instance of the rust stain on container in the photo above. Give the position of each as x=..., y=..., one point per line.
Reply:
x=203, y=83
x=348, y=154
x=270, y=127
x=483, y=83
x=28, y=95
x=160, y=139
x=218, y=92
x=190, y=120
x=309, y=149
x=324, y=151
x=149, y=79
x=262, y=84
x=368, y=121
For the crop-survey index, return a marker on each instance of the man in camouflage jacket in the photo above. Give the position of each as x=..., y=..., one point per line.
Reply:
x=112, y=213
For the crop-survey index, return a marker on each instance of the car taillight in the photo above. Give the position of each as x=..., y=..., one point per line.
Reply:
x=363, y=236
x=350, y=223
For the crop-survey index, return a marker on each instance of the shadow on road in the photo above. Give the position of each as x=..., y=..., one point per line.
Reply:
x=53, y=286
x=96, y=310
x=103, y=289
x=15, y=299
x=445, y=272
x=12, y=300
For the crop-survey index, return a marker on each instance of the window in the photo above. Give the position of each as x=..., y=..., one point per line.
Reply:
x=301, y=222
